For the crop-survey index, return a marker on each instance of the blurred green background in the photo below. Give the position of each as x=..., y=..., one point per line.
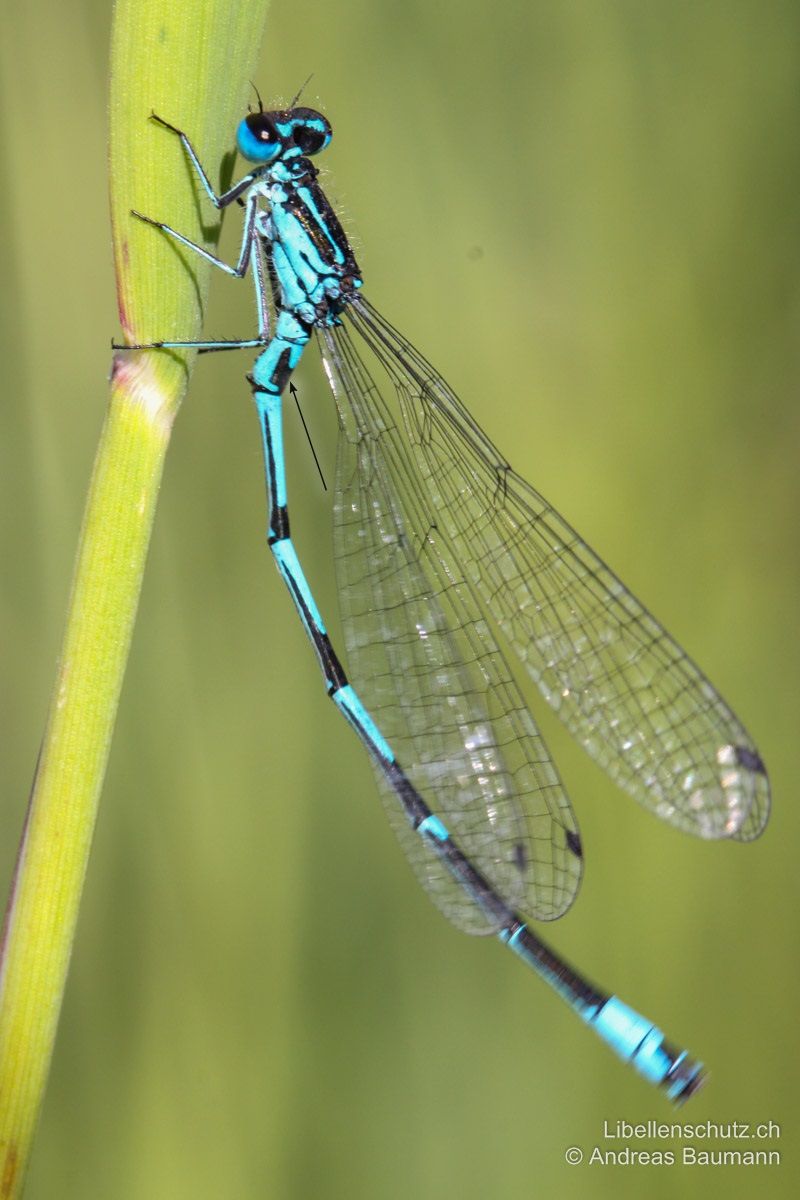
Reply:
x=587, y=216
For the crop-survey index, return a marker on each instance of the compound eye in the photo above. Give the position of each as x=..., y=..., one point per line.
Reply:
x=257, y=138
x=311, y=133
x=308, y=140
x=262, y=127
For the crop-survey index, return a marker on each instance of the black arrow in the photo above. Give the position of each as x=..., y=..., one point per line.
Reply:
x=293, y=390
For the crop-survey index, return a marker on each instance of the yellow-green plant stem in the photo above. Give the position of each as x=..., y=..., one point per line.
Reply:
x=190, y=60
x=54, y=852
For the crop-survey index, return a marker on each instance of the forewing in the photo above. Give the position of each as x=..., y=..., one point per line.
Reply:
x=619, y=682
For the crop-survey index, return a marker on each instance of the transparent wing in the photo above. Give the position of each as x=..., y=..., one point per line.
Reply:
x=618, y=681
x=429, y=670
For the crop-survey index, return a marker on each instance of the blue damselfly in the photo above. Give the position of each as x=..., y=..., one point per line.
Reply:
x=439, y=543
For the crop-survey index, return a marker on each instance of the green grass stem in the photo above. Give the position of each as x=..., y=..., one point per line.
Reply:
x=189, y=60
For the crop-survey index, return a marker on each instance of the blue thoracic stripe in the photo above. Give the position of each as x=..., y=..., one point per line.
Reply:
x=293, y=295
x=309, y=201
x=295, y=245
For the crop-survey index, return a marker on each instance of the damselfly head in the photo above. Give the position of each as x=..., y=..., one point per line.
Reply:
x=264, y=137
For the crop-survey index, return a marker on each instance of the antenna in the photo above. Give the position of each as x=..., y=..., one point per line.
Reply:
x=302, y=89
x=258, y=95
